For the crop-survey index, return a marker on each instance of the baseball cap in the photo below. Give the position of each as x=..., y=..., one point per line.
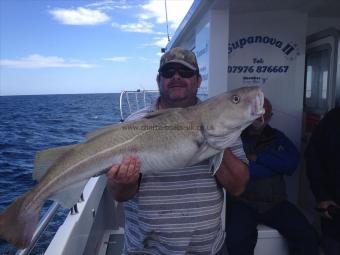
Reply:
x=180, y=56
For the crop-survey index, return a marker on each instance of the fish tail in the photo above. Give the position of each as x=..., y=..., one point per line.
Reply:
x=18, y=221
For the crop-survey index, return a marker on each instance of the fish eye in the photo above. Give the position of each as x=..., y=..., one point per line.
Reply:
x=236, y=99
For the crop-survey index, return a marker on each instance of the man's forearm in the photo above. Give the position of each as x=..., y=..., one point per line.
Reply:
x=233, y=174
x=123, y=192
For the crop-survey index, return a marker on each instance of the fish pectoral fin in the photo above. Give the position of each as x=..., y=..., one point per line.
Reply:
x=70, y=195
x=46, y=158
x=221, y=141
x=215, y=162
x=205, y=151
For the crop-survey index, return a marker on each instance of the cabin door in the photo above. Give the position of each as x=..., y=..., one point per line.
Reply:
x=320, y=90
x=320, y=79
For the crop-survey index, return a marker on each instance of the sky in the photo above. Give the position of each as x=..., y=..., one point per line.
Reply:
x=71, y=47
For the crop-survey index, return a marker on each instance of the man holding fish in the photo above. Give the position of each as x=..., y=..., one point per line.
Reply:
x=178, y=211
x=174, y=206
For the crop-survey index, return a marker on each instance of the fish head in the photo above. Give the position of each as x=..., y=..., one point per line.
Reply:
x=240, y=108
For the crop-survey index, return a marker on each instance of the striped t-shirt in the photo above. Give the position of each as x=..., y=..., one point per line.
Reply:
x=176, y=211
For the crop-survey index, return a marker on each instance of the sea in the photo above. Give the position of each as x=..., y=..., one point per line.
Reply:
x=32, y=123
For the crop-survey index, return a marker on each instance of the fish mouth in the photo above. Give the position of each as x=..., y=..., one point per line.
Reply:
x=257, y=109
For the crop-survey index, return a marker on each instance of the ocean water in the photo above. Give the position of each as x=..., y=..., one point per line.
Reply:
x=32, y=123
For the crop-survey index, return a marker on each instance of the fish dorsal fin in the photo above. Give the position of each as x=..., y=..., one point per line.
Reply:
x=70, y=195
x=99, y=131
x=46, y=158
x=161, y=112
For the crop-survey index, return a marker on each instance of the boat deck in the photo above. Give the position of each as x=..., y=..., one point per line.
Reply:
x=112, y=242
x=98, y=228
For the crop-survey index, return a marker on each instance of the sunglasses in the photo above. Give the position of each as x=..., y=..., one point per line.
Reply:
x=183, y=72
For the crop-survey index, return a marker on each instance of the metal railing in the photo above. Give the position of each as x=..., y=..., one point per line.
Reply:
x=52, y=210
x=135, y=100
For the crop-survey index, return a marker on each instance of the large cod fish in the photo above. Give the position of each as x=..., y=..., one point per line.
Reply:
x=166, y=139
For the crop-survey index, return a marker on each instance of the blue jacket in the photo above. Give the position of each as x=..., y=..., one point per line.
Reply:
x=276, y=156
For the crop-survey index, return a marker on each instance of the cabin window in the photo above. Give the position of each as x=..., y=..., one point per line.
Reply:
x=309, y=82
x=324, y=84
x=317, y=79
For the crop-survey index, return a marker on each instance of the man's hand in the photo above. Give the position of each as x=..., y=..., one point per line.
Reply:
x=125, y=173
x=323, y=205
x=122, y=180
x=252, y=156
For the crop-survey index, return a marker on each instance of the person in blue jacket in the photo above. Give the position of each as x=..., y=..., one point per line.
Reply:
x=323, y=170
x=271, y=155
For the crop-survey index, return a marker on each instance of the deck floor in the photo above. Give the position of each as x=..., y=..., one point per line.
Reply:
x=112, y=243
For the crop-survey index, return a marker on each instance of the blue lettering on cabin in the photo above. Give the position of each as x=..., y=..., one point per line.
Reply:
x=242, y=42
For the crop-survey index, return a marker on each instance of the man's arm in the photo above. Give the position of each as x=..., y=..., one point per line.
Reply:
x=123, y=179
x=233, y=173
x=314, y=155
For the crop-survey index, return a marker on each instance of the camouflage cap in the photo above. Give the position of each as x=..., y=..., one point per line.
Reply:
x=180, y=56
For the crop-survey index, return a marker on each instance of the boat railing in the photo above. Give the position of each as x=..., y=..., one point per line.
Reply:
x=133, y=100
x=43, y=223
